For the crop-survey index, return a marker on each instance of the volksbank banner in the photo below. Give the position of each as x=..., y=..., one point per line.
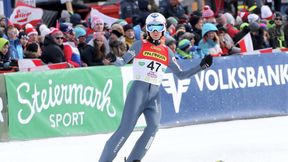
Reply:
x=234, y=87
x=64, y=102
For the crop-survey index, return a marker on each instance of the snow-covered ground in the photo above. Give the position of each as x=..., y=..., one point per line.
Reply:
x=257, y=140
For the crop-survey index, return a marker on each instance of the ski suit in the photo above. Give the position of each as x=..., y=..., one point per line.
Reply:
x=149, y=65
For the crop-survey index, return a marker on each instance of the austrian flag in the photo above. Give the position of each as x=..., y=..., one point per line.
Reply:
x=246, y=44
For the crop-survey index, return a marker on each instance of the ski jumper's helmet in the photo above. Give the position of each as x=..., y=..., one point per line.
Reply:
x=155, y=21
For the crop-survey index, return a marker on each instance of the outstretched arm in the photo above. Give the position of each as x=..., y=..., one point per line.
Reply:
x=205, y=63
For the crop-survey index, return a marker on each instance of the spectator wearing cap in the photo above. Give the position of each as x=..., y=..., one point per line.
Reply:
x=75, y=19
x=129, y=35
x=68, y=32
x=257, y=35
x=97, y=25
x=15, y=48
x=95, y=54
x=209, y=43
x=5, y=58
x=117, y=34
x=230, y=25
x=208, y=15
x=44, y=30
x=196, y=22
x=171, y=43
x=22, y=36
x=184, y=49
x=65, y=16
x=31, y=33
x=80, y=35
x=53, y=47
x=171, y=8
x=71, y=52
x=180, y=30
x=172, y=22
x=266, y=13
x=33, y=51
x=276, y=33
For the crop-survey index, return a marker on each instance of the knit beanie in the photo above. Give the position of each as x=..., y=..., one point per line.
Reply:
x=65, y=15
x=169, y=40
x=127, y=27
x=96, y=20
x=65, y=28
x=254, y=26
x=75, y=19
x=3, y=41
x=44, y=30
x=184, y=44
x=243, y=25
x=118, y=28
x=171, y=21
x=229, y=18
x=252, y=18
x=22, y=35
x=266, y=12
x=30, y=31
x=187, y=35
x=207, y=12
x=79, y=32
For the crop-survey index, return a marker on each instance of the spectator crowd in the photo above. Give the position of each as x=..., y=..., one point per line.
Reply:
x=91, y=42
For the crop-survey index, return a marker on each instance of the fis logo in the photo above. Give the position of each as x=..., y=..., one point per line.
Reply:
x=176, y=92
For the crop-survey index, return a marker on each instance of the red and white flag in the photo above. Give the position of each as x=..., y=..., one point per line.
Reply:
x=37, y=65
x=246, y=44
x=24, y=14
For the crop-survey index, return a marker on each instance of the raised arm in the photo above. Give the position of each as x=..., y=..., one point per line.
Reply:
x=129, y=55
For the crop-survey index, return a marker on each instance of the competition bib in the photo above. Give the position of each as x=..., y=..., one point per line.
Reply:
x=151, y=63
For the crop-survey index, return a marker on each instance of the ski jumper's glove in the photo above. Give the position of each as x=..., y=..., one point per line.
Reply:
x=206, y=61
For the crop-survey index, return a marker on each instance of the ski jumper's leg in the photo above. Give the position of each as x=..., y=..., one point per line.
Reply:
x=152, y=116
x=132, y=110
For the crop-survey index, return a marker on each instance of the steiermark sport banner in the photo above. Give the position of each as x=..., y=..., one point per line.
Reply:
x=64, y=102
x=3, y=110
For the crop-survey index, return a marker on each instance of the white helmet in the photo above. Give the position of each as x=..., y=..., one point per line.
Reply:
x=155, y=21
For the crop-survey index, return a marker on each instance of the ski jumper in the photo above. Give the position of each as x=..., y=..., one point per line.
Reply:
x=149, y=65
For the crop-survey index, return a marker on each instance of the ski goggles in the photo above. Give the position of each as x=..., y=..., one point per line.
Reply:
x=155, y=27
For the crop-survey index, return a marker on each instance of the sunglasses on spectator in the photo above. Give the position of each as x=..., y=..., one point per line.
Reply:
x=59, y=38
x=278, y=19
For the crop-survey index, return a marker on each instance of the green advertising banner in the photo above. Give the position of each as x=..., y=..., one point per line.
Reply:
x=64, y=102
x=3, y=110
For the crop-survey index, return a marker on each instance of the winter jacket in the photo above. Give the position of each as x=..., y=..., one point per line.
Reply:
x=16, y=49
x=89, y=58
x=52, y=52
